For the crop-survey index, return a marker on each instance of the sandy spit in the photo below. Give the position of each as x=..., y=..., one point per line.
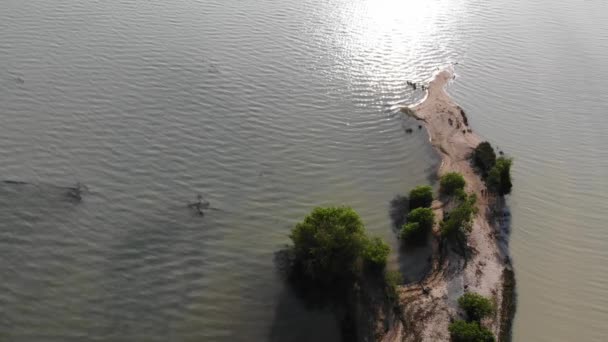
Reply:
x=427, y=315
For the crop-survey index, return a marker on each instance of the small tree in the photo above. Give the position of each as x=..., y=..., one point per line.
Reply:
x=484, y=158
x=421, y=197
x=462, y=331
x=376, y=253
x=419, y=223
x=410, y=232
x=476, y=306
x=451, y=182
x=458, y=222
x=499, y=177
x=423, y=216
x=328, y=243
x=330, y=246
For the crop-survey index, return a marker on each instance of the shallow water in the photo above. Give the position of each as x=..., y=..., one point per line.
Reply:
x=268, y=109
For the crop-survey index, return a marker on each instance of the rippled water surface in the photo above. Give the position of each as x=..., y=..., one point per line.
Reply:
x=269, y=108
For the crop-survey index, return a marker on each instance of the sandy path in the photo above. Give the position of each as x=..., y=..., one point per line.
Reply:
x=428, y=315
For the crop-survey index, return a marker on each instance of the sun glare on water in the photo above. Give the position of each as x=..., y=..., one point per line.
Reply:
x=407, y=19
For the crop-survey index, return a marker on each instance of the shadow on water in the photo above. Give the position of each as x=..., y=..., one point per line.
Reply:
x=305, y=312
x=295, y=322
x=398, y=209
x=414, y=261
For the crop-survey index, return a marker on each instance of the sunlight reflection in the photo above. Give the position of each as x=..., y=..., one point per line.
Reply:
x=410, y=20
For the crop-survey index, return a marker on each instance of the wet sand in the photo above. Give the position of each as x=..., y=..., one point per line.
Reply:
x=427, y=316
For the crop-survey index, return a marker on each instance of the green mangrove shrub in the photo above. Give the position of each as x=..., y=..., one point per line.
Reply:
x=499, y=177
x=419, y=222
x=476, y=306
x=451, y=182
x=421, y=197
x=458, y=222
x=331, y=246
x=462, y=331
x=484, y=158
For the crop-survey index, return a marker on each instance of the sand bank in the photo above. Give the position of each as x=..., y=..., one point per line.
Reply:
x=427, y=315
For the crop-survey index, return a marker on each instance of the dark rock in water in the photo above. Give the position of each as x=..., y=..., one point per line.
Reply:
x=409, y=130
x=419, y=126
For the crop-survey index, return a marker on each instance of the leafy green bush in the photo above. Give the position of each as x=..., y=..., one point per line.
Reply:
x=330, y=246
x=376, y=253
x=462, y=331
x=419, y=223
x=328, y=243
x=410, y=231
x=423, y=216
x=421, y=197
x=499, y=177
x=451, y=182
x=458, y=221
x=484, y=158
x=476, y=306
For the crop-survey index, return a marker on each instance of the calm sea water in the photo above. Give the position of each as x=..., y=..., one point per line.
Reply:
x=269, y=108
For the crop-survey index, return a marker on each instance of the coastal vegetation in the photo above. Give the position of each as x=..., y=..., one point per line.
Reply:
x=418, y=217
x=419, y=222
x=334, y=264
x=462, y=331
x=499, y=177
x=476, y=306
x=496, y=172
x=484, y=158
x=451, y=183
x=457, y=223
x=331, y=247
x=421, y=197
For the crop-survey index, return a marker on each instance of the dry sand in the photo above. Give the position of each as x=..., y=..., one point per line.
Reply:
x=427, y=316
